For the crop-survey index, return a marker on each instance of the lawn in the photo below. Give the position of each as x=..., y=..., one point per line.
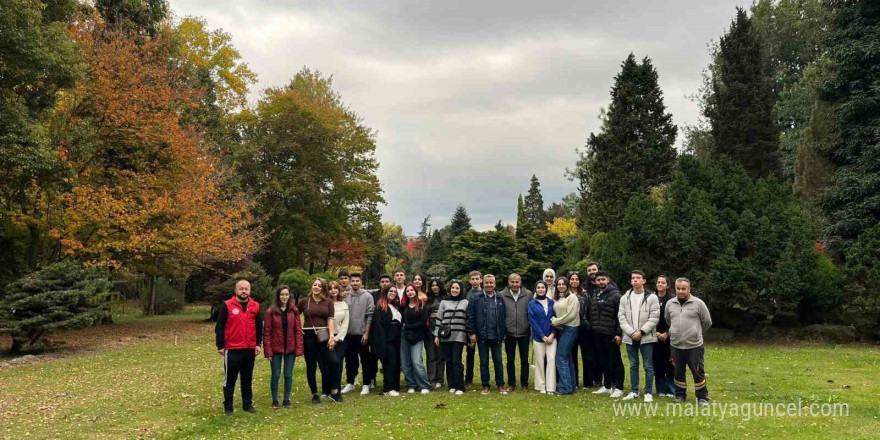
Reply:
x=168, y=385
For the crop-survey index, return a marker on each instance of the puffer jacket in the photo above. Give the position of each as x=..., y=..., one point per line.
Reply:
x=603, y=314
x=649, y=316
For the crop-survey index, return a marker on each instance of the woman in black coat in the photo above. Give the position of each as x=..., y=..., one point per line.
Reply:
x=385, y=333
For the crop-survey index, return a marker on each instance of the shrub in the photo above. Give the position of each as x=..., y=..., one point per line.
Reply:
x=300, y=282
x=169, y=297
x=262, y=289
x=62, y=296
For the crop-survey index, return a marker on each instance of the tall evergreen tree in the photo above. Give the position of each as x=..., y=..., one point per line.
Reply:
x=851, y=202
x=521, y=221
x=533, y=205
x=740, y=104
x=461, y=222
x=632, y=152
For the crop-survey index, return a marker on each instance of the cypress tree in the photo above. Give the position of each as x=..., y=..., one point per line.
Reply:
x=521, y=221
x=632, y=152
x=533, y=205
x=740, y=104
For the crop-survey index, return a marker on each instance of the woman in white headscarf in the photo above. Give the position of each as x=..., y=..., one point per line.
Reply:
x=550, y=278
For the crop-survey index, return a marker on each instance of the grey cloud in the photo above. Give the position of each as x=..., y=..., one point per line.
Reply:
x=471, y=98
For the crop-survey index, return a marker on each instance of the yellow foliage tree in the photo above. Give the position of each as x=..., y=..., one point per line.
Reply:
x=564, y=228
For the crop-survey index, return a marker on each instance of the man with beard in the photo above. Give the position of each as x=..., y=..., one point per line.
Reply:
x=239, y=335
x=607, y=335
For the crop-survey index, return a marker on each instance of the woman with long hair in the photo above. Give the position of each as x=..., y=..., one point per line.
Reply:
x=318, y=341
x=415, y=331
x=340, y=327
x=543, y=339
x=663, y=368
x=450, y=334
x=282, y=342
x=436, y=294
x=567, y=321
x=385, y=338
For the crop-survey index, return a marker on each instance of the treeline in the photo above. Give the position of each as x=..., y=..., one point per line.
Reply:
x=131, y=164
x=771, y=209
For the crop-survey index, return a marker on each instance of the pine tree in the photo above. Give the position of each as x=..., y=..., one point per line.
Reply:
x=533, y=205
x=740, y=104
x=632, y=152
x=851, y=202
x=460, y=223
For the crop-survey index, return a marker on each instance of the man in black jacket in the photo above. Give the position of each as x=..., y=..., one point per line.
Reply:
x=607, y=335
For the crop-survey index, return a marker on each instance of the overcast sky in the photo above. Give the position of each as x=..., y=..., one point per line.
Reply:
x=470, y=98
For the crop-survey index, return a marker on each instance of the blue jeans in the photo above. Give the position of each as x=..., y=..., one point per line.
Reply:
x=565, y=375
x=484, y=345
x=647, y=351
x=277, y=360
x=413, y=367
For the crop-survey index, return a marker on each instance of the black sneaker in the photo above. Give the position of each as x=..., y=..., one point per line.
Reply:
x=336, y=397
x=227, y=411
x=286, y=404
x=316, y=399
x=275, y=404
x=250, y=409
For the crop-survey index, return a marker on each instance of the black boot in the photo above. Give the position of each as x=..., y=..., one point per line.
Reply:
x=316, y=399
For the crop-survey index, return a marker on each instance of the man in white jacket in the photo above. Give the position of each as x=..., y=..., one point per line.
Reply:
x=639, y=313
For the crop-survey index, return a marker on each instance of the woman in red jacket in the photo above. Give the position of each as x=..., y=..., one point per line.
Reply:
x=282, y=341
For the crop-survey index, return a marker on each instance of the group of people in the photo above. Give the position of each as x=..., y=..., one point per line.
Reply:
x=346, y=327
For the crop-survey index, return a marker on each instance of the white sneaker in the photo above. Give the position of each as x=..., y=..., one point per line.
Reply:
x=615, y=394
x=452, y=390
x=649, y=398
x=543, y=392
x=602, y=390
x=426, y=391
x=348, y=388
x=392, y=393
x=365, y=390
x=411, y=391
x=459, y=392
x=629, y=396
x=438, y=385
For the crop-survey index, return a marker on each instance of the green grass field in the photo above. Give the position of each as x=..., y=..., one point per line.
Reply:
x=157, y=388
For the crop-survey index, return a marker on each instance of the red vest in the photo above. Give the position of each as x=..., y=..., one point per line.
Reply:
x=241, y=325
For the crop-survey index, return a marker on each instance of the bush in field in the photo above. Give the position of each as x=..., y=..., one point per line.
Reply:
x=262, y=289
x=300, y=282
x=62, y=296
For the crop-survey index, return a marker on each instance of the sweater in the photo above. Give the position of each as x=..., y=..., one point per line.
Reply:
x=517, y=312
x=454, y=314
x=360, y=312
x=649, y=316
x=341, y=320
x=540, y=321
x=567, y=312
x=687, y=322
x=415, y=323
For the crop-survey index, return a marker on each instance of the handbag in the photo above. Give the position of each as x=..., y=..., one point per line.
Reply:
x=322, y=334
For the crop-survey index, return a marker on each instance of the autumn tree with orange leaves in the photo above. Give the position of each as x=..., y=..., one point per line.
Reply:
x=145, y=194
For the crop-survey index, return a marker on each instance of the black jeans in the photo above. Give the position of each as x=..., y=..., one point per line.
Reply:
x=235, y=363
x=510, y=345
x=314, y=352
x=587, y=345
x=435, y=361
x=469, y=372
x=354, y=349
x=485, y=346
x=691, y=358
x=611, y=363
x=454, y=369
x=339, y=353
x=391, y=361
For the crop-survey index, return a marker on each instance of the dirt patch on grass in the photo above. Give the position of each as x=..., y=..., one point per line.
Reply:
x=107, y=337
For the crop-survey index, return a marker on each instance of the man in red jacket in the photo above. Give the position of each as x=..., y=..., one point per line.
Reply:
x=239, y=335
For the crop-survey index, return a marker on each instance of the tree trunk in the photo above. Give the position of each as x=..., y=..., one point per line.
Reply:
x=151, y=308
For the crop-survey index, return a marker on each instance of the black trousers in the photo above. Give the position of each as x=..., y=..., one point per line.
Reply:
x=663, y=368
x=691, y=358
x=391, y=362
x=338, y=352
x=316, y=352
x=435, y=361
x=591, y=376
x=454, y=369
x=510, y=345
x=354, y=349
x=235, y=363
x=469, y=373
x=610, y=361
